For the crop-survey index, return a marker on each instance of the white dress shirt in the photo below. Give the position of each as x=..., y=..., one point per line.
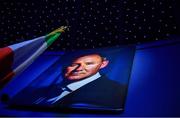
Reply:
x=74, y=86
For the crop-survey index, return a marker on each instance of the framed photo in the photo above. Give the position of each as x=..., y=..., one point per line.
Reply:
x=93, y=79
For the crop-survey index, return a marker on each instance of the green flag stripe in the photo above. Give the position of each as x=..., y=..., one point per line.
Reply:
x=50, y=39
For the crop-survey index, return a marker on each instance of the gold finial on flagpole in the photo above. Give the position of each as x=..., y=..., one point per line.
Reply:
x=59, y=30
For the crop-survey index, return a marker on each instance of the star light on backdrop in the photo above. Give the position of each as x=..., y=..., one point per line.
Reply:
x=92, y=23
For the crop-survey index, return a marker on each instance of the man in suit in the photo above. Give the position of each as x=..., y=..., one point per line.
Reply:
x=83, y=86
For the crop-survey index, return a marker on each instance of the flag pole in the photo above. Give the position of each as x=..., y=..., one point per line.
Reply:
x=50, y=38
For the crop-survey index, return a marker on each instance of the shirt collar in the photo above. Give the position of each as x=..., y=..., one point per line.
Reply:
x=76, y=85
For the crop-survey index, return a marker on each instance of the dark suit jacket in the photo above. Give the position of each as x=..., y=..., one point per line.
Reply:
x=100, y=93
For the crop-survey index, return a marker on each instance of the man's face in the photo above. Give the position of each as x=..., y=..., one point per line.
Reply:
x=84, y=67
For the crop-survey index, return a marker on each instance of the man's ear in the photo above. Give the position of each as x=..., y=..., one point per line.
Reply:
x=104, y=63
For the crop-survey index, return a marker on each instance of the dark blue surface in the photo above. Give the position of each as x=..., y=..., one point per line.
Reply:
x=154, y=88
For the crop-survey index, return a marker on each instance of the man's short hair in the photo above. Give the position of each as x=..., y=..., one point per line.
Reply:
x=69, y=57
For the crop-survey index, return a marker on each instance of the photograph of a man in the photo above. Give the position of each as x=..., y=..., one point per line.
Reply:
x=82, y=86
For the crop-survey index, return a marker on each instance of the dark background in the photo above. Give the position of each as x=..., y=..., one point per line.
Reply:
x=151, y=24
x=93, y=23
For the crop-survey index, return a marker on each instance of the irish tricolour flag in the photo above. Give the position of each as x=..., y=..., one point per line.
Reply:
x=16, y=58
